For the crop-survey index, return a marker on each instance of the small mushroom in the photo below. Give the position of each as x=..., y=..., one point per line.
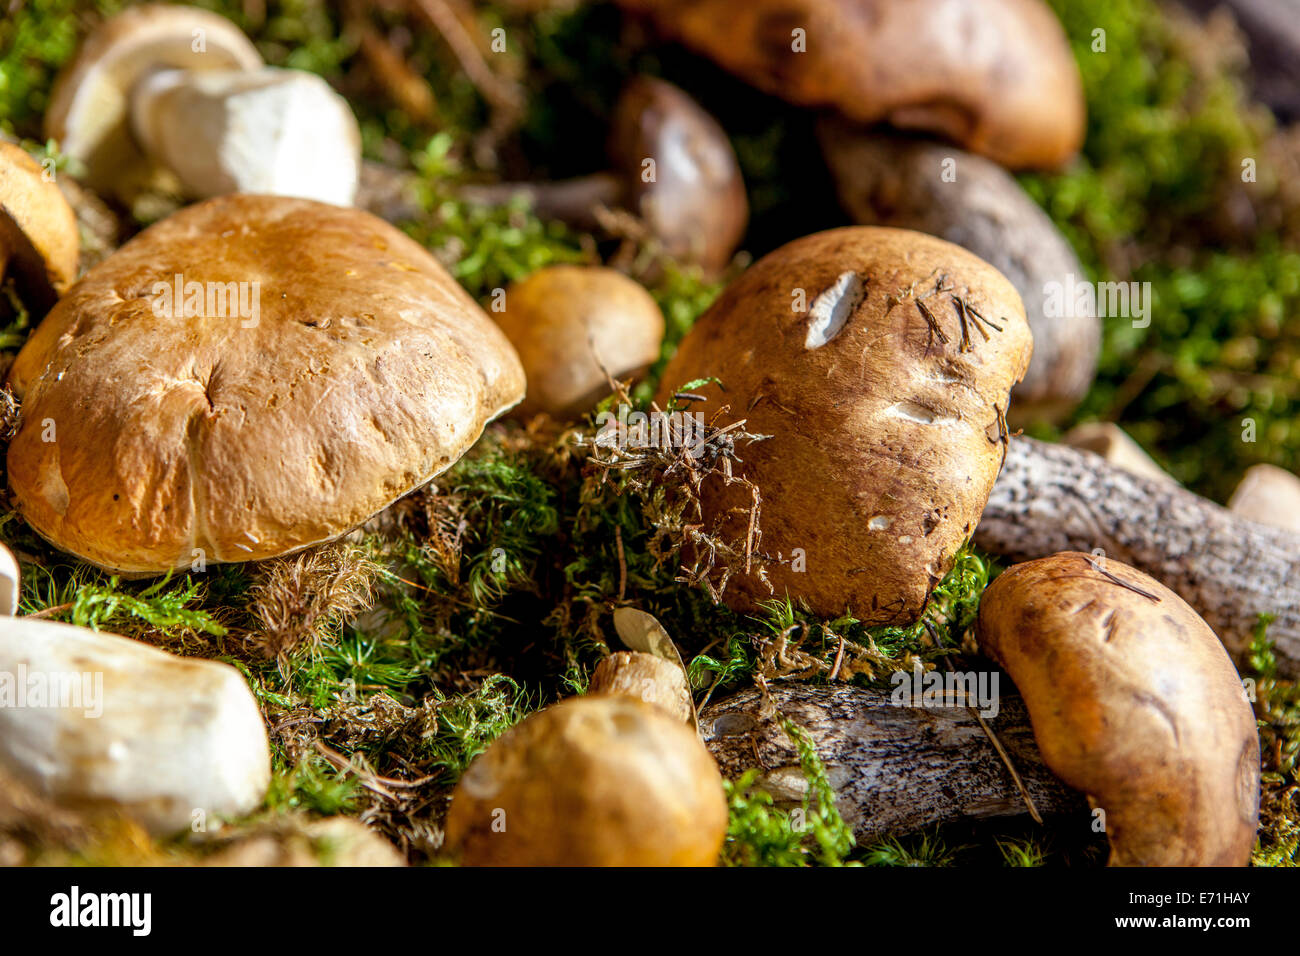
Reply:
x=574, y=327
x=1269, y=495
x=39, y=243
x=995, y=76
x=248, y=377
x=1134, y=702
x=880, y=363
x=673, y=167
x=888, y=179
x=591, y=781
x=180, y=89
x=651, y=679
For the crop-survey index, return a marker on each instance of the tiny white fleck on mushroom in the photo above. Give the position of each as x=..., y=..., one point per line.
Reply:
x=832, y=308
x=252, y=537
x=880, y=523
x=905, y=539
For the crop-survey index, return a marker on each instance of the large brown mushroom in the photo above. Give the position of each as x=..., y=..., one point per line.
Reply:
x=1133, y=701
x=163, y=91
x=880, y=361
x=38, y=231
x=250, y=376
x=995, y=76
x=574, y=327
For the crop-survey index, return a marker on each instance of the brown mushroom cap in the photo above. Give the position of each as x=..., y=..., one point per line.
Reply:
x=89, y=111
x=696, y=204
x=886, y=434
x=366, y=371
x=571, y=325
x=996, y=76
x=39, y=242
x=591, y=781
x=1134, y=701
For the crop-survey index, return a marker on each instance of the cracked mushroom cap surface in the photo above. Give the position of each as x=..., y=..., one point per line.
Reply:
x=996, y=76
x=887, y=431
x=39, y=241
x=89, y=111
x=316, y=366
x=1133, y=701
x=591, y=781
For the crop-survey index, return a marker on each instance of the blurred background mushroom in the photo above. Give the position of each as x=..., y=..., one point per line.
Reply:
x=673, y=169
x=574, y=328
x=250, y=376
x=994, y=76
x=39, y=242
x=160, y=91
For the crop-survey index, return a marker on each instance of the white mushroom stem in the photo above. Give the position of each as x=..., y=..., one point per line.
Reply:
x=10, y=583
x=1052, y=498
x=268, y=131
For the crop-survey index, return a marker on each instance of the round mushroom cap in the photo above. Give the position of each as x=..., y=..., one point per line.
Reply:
x=695, y=204
x=1134, y=701
x=996, y=76
x=880, y=362
x=591, y=781
x=39, y=242
x=571, y=326
x=250, y=376
x=89, y=111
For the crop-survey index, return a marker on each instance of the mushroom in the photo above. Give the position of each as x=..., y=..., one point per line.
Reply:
x=574, y=327
x=673, y=167
x=888, y=179
x=180, y=89
x=1269, y=495
x=39, y=243
x=880, y=361
x=11, y=587
x=248, y=377
x=1134, y=702
x=1052, y=498
x=1117, y=447
x=591, y=781
x=95, y=721
x=995, y=76
x=646, y=677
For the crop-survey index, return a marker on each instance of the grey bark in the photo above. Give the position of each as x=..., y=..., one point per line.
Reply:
x=895, y=769
x=893, y=180
x=1052, y=498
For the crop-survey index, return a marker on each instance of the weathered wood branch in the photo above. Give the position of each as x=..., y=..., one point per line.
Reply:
x=895, y=768
x=1052, y=498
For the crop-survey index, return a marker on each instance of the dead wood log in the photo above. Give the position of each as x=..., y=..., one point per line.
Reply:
x=895, y=769
x=1052, y=498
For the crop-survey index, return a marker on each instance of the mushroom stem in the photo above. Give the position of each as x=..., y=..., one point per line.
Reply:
x=1052, y=498
x=573, y=201
x=273, y=131
x=895, y=768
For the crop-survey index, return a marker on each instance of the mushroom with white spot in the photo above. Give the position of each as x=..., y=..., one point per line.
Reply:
x=159, y=91
x=880, y=363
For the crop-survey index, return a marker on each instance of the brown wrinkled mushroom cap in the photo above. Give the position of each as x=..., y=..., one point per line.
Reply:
x=696, y=205
x=591, y=781
x=89, y=111
x=996, y=76
x=366, y=371
x=1134, y=701
x=571, y=325
x=886, y=439
x=39, y=242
